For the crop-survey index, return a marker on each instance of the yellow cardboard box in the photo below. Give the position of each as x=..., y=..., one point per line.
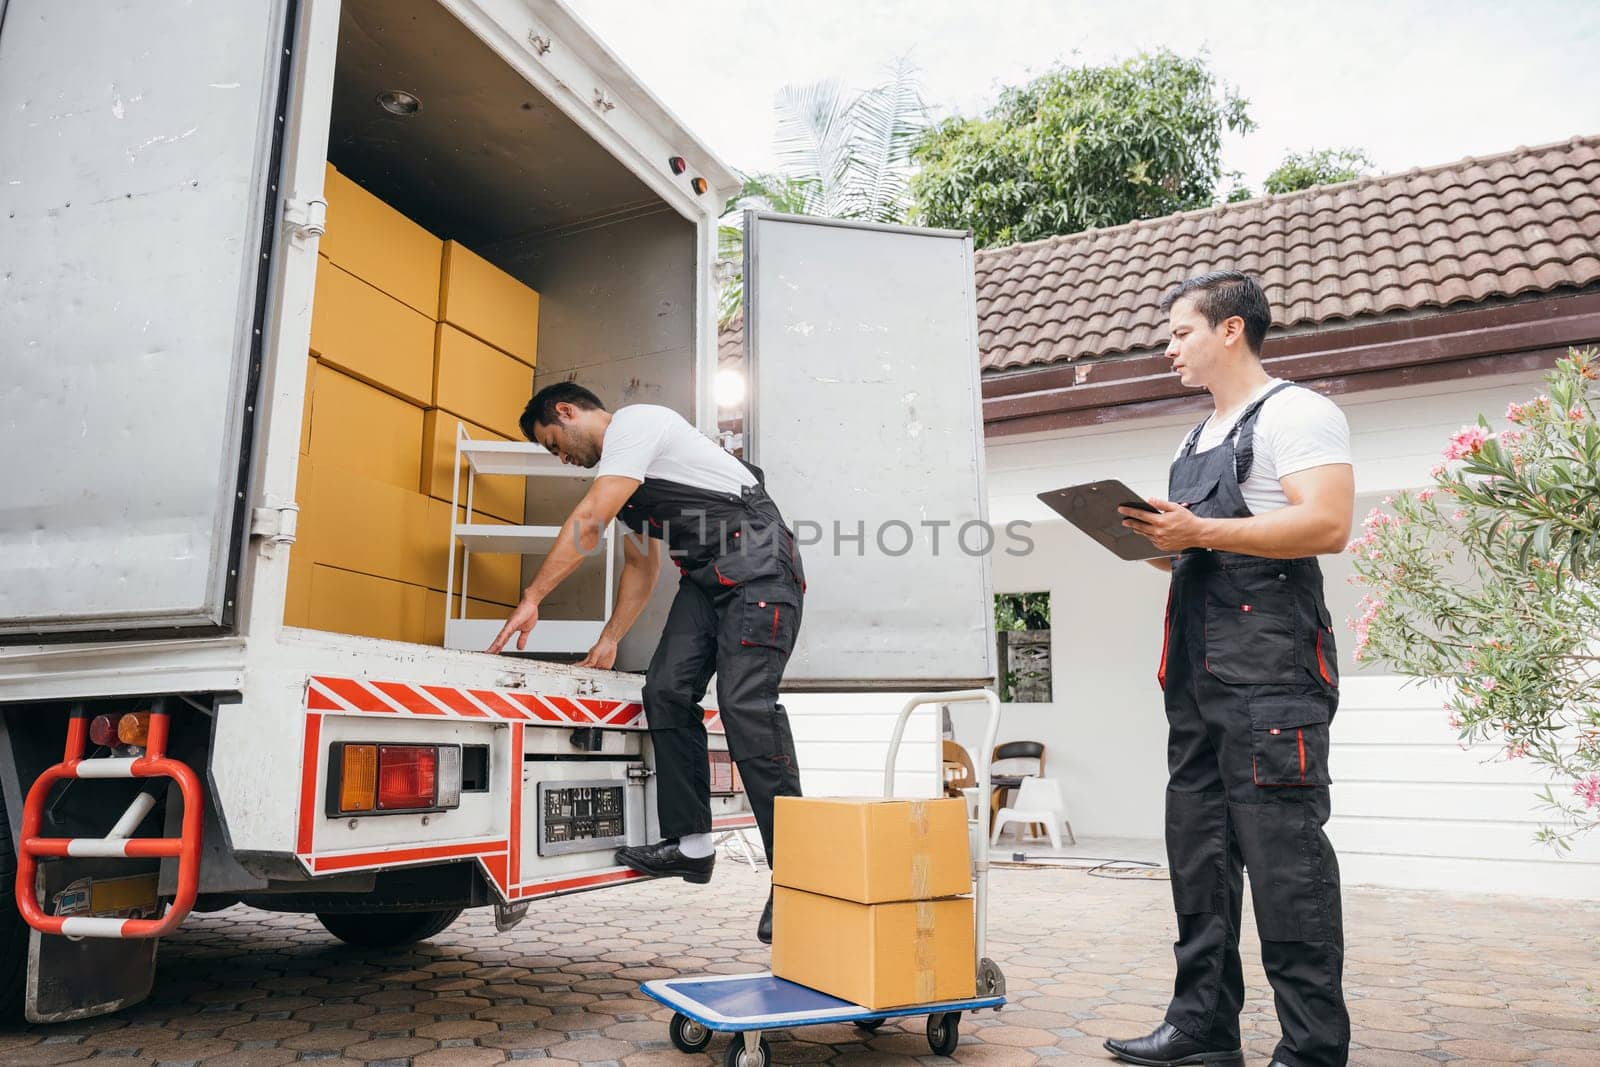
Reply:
x=365, y=430
x=361, y=524
x=488, y=303
x=433, y=621
x=503, y=497
x=371, y=335
x=348, y=603
x=379, y=245
x=872, y=850
x=480, y=383
x=305, y=412
x=495, y=577
x=876, y=955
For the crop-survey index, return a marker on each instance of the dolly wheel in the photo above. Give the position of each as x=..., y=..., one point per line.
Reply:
x=870, y=1025
x=739, y=1057
x=688, y=1035
x=944, y=1032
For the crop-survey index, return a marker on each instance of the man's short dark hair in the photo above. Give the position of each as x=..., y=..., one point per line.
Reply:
x=1222, y=294
x=541, y=410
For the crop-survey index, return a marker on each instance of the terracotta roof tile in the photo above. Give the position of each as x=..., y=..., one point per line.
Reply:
x=1476, y=229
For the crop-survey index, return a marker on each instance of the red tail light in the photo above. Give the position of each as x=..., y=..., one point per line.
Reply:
x=407, y=775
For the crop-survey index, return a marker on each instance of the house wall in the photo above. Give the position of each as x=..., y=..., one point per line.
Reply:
x=1411, y=808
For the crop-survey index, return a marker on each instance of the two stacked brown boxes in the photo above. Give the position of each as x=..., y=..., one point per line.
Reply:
x=870, y=899
x=411, y=337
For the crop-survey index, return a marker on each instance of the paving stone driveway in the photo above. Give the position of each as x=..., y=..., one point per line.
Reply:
x=1431, y=979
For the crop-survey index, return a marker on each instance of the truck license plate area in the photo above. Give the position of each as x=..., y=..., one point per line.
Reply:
x=581, y=816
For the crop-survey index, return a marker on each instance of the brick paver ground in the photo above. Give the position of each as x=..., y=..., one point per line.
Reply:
x=1431, y=979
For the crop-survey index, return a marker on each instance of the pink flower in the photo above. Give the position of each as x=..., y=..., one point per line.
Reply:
x=1426, y=495
x=1458, y=514
x=1510, y=437
x=1465, y=442
x=1487, y=685
x=1514, y=412
x=1576, y=415
x=1588, y=790
x=1436, y=471
x=1455, y=720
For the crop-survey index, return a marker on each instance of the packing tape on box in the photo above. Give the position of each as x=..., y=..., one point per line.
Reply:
x=921, y=874
x=919, y=818
x=922, y=953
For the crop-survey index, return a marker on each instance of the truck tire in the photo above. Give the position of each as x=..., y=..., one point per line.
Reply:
x=13, y=931
x=386, y=929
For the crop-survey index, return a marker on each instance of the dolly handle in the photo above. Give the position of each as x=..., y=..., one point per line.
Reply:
x=991, y=731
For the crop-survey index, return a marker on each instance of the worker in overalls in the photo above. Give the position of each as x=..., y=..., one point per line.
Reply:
x=1250, y=679
x=736, y=613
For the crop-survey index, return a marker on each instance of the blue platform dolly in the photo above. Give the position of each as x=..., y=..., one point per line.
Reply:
x=748, y=1005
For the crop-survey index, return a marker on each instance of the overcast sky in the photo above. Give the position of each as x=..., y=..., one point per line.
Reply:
x=1413, y=82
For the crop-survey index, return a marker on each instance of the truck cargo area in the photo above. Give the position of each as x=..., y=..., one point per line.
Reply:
x=479, y=243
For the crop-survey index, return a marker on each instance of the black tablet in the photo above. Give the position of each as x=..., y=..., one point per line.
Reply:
x=1092, y=508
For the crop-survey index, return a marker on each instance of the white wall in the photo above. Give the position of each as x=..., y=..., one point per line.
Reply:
x=1411, y=809
x=842, y=743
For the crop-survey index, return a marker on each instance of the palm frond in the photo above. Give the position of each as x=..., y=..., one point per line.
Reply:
x=813, y=138
x=885, y=123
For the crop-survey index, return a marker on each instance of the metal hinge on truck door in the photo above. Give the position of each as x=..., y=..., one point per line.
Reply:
x=305, y=218
x=275, y=522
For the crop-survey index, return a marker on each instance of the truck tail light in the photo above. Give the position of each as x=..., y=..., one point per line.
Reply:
x=376, y=779
x=406, y=776
x=358, y=778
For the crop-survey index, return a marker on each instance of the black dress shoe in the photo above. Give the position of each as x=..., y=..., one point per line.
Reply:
x=764, y=927
x=1167, y=1046
x=664, y=860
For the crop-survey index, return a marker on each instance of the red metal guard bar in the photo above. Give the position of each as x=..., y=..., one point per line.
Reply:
x=185, y=848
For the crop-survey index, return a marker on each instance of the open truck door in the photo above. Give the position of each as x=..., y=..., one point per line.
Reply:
x=139, y=210
x=864, y=414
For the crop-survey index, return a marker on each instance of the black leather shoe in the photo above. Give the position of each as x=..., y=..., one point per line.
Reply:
x=664, y=860
x=1167, y=1046
x=764, y=927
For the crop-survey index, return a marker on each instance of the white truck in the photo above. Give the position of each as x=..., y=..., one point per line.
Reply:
x=167, y=744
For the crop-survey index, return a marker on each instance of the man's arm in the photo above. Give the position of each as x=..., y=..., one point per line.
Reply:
x=641, y=564
x=580, y=533
x=1316, y=521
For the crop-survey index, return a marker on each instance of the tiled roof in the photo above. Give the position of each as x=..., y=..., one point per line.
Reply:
x=1526, y=221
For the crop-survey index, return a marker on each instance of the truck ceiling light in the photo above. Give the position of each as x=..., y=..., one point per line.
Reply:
x=678, y=164
x=103, y=731
x=698, y=185
x=134, y=728
x=399, y=102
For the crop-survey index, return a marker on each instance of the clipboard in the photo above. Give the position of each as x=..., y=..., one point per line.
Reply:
x=1092, y=508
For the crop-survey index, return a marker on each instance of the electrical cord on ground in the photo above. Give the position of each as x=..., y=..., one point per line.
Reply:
x=1094, y=866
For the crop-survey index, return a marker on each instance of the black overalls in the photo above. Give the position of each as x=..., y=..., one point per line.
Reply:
x=1249, y=675
x=736, y=613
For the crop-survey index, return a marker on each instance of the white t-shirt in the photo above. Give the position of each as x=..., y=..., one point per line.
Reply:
x=1297, y=429
x=650, y=441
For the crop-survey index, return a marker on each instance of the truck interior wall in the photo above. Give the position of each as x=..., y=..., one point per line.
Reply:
x=617, y=315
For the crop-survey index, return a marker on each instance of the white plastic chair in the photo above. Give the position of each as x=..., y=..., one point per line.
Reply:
x=1038, y=800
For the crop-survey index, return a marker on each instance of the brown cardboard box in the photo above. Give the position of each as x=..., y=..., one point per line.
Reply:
x=371, y=335
x=365, y=431
x=872, y=850
x=503, y=497
x=496, y=577
x=305, y=412
x=433, y=620
x=875, y=955
x=348, y=603
x=480, y=383
x=488, y=303
x=381, y=246
x=361, y=524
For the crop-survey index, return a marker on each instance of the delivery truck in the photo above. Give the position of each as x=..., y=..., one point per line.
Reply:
x=276, y=280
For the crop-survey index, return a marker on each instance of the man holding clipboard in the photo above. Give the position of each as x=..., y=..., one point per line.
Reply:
x=1249, y=677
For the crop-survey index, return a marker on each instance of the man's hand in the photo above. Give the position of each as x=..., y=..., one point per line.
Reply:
x=1172, y=528
x=602, y=655
x=521, y=622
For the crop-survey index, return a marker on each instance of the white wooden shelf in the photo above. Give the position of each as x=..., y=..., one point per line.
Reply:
x=521, y=540
x=517, y=458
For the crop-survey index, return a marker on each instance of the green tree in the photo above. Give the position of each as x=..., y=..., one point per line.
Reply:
x=840, y=154
x=1487, y=585
x=1321, y=166
x=1080, y=147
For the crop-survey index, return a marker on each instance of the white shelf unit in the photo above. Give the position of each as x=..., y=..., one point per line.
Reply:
x=515, y=459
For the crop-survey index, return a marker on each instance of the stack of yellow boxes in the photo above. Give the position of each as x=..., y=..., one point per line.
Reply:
x=411, y=337
x=869, y=899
